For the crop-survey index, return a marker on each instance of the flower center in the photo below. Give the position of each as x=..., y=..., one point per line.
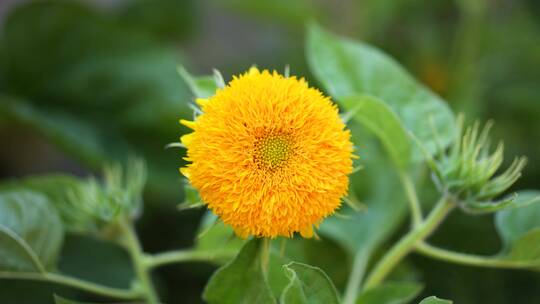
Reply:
x=273, y=151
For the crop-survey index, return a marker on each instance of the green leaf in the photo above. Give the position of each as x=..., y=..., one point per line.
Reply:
x=241, y=280
x=435, y=300
x=201, y=87
x=216, y=237
x=519, y=229
x=192, y=198
x=308, y=285
x=514, y=223
x=346, y=67
x=527, y=247
x=366, y=229
x=391, y=293
x=383, y=122
x=31, y=232
x=57, y=189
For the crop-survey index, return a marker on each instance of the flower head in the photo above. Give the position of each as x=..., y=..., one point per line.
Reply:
x=269, y=155
x=470, y=170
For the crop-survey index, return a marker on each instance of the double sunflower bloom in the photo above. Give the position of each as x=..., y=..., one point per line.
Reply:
x=269, y=155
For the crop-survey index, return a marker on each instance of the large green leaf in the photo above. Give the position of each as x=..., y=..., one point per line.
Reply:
x=527, y=247
x=242, y=280
x=519, y=229
x=308, y=285
x=391, y=293
x=515, y=223
x=346, y=67
x=364, y=230
x=383, y=122
x=31, y=232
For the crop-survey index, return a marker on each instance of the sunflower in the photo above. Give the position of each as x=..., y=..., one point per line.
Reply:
x=269, y=155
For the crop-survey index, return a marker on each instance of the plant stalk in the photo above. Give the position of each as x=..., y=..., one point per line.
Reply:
x=408, y=242
x=79, y=284
x=185, y=255
x=471, y=259
x=138, y=258
x=412, y=198
x=355, y=278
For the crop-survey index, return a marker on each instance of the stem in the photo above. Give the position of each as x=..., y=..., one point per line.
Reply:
x=355, y=278
x=472, y=260
x=265, y=255
x=73, y=282
x=180, y=256
x=412, y=198
x=138, y=258
x=408, y=242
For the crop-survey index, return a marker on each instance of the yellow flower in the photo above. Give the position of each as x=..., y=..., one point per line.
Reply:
x=269, y=155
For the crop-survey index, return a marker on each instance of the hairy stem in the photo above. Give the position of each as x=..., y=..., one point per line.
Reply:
x=355, y=278
x=64, y=280
x=139, y=261
x=186, y=255
x=265, y=255
x=408, y=242
x=471, y=259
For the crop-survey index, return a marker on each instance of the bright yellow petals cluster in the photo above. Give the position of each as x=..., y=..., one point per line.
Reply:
x=269, y=155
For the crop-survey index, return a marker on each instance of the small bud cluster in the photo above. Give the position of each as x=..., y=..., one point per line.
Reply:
x=119, y=194
x=468, y=170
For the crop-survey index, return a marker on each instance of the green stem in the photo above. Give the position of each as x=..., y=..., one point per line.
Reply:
x=180, y=256
x=355, y=278
x=265, y=255
x=60, y=279
x=138, y=258
x=472, y=260
x=408, y=242
x=412, y=198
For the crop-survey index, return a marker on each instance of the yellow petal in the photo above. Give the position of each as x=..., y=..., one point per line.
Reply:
x=253, y=70
x=186, y=139
x=185, y=172
x=307, y=232
x=188, y=123
x=201, y=101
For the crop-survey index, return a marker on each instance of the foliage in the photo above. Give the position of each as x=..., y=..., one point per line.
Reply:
x=108, y=84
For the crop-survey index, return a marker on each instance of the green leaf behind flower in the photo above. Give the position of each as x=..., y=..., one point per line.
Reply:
x=383, y=122
x=346, y=67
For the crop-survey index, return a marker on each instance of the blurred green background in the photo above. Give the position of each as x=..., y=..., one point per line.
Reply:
x=87, y=82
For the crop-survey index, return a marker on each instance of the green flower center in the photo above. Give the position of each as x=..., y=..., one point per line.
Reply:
x=273, y=151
